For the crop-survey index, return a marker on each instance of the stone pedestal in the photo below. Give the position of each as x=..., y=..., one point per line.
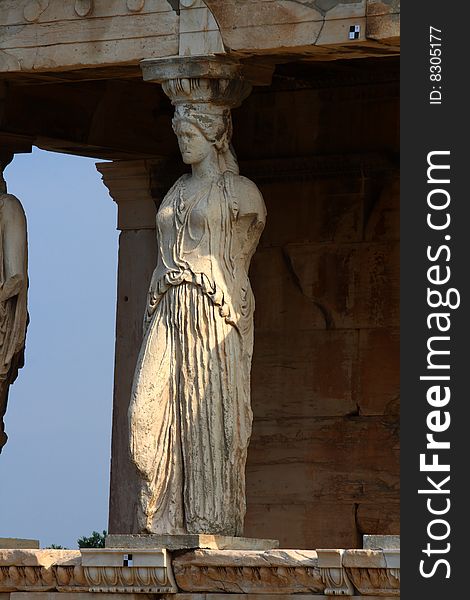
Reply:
x=189, y=542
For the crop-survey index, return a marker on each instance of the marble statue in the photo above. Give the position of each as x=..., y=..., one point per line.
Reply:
x=190, y=416
x=13, y=294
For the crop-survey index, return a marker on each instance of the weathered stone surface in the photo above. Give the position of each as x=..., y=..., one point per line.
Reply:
x=127, y=570
x=189, y=541
x=296, y=23
x=38, y=570
x=115, y=557
x=372, y=559
x=75, y=34
x=382, y=7
x=38, y=558
x=381, y=542
x=129, y=185
x=111, y=36
x=318, y=365
x=305, y=524
x=11, y=543
x=378, y=373
x=379, y=517
x=326, y=210
x=232, y=596
x=137, y=256
x=328, y=572
x=269, y=574
x=300, y=468
x=384, y=28
x=325, y=463
x=94, y=570
x=373, y=570
x=281, y=306
x=275, y=571
x=358, y=284
x=77, y=596
x=384, y=221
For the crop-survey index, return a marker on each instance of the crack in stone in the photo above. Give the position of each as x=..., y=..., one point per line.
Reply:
x=329, y=323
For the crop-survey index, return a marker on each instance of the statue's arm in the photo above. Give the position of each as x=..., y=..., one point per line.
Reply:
x=251, y=216
x=15, y=248
x=250, y=201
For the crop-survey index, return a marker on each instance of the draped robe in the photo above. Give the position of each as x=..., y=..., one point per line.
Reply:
x=190, y=415
x=13, y=310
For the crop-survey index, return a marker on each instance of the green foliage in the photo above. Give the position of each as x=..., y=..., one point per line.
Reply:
x=55, y=547
x=95, y=540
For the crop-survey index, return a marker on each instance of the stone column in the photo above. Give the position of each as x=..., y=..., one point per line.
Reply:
x=130, y=185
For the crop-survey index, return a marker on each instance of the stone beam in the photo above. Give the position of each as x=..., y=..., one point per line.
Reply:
x=60, y=35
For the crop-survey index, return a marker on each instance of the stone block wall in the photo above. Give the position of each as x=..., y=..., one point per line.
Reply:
x=323, y=461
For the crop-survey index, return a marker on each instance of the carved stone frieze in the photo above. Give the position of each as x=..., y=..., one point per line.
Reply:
x=128, y=571
x=38, y=570
x=332, y=573
x=125, y=571
x=249, y=572
x=371, y=582
x=349, y=573
x=374, y=572
x=336, y=582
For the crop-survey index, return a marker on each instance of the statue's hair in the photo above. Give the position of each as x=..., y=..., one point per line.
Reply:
x=215, y=127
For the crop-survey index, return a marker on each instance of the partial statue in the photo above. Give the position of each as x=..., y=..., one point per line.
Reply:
x=190, y=415
x=13, y=293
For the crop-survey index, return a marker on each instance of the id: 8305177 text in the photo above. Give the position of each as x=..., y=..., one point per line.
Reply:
x=435, y=65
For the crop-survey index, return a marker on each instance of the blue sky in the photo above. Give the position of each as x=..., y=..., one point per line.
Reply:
x=54, y=471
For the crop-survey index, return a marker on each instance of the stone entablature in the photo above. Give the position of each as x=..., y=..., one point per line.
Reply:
x=353, y=573
x=61, y=35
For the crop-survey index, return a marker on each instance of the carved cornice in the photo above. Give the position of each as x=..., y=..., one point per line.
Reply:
x=372, y=570
x=334, y=577
x=368, y=581
x=100, y=570
x=285, y=572
x=230, y=571
x=323, y=572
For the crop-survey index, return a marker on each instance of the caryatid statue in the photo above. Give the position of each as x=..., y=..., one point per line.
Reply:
x=190, y=416
x=13, y=292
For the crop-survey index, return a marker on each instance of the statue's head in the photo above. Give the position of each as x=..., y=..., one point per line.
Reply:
x=203, y=130
x=5, y=159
